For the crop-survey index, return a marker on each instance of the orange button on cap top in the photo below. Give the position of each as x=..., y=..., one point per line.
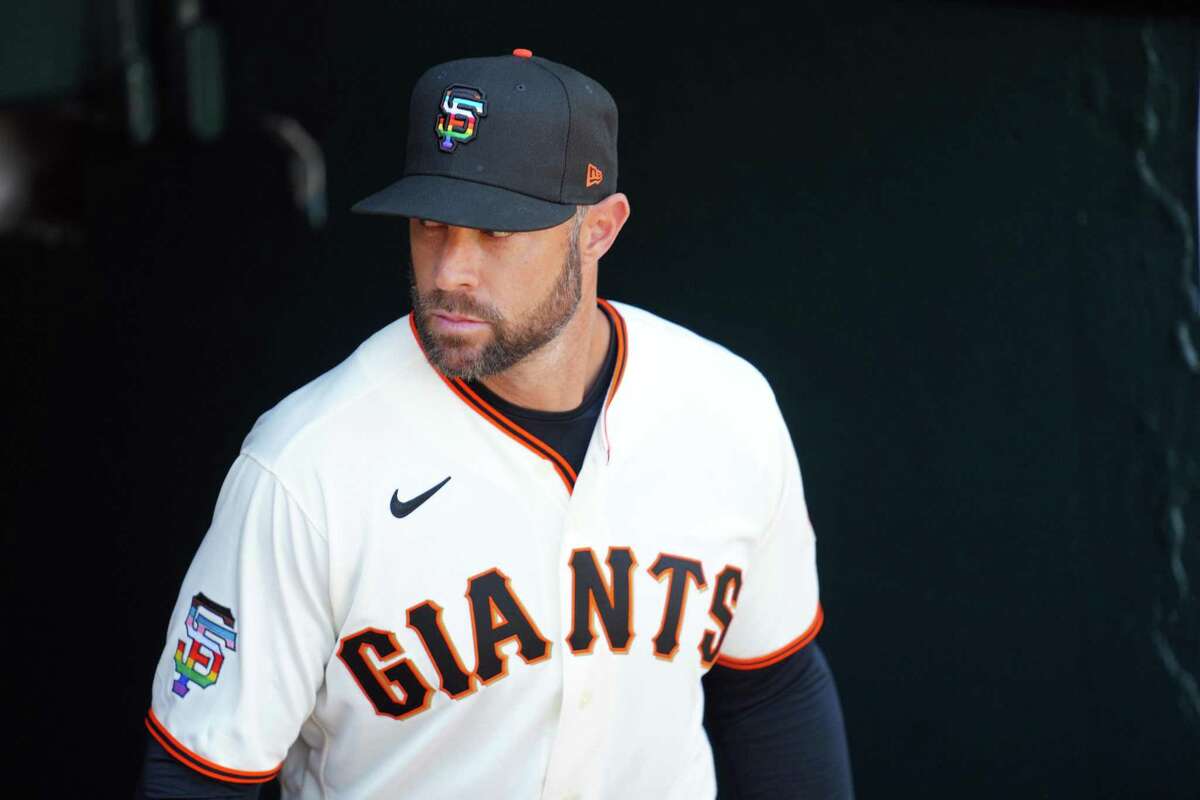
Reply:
x=521, y=52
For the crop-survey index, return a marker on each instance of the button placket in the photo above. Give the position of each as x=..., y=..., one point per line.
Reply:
x=583, y=526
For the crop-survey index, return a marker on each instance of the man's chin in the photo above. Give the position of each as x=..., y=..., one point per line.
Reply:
x=457, y=360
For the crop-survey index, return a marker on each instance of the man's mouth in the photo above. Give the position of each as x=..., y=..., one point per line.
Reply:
x=456, y=322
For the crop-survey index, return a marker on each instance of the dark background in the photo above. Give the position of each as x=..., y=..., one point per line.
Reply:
x=959, y=238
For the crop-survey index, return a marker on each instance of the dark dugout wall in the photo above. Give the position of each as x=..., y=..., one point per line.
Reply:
x=960, y=240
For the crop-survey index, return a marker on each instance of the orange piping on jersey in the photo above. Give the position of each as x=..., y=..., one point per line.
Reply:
x=619, y=371
x=622, y=339
x=532, y=442
x=507, y=426
x=514, y=431
x=199, y=763
x=778, y=655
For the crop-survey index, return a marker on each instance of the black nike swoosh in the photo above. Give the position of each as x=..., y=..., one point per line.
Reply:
x=402, y=508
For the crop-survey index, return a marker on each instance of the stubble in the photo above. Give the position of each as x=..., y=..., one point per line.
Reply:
x=511, y=341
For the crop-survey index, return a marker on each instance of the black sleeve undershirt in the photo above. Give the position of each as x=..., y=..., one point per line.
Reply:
x=165, y=778
x=775, y=732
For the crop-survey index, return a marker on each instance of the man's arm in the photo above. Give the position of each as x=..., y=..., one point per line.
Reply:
x=778, y=731
x=164, y=778
x=257, y=586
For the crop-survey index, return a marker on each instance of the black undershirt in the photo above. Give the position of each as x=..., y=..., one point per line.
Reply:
x=568, y=432
x=775, y=732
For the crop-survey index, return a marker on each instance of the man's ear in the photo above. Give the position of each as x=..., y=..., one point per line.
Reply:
x=600, y=228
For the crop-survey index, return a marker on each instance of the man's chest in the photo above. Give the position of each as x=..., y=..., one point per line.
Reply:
x=454, y=577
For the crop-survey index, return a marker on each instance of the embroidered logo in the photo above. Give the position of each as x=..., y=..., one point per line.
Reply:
x=458, y=122
x=402, y=508
x=594, y=175
x=210, y=629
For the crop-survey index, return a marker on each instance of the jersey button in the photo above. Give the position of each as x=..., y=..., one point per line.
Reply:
x=585, y=699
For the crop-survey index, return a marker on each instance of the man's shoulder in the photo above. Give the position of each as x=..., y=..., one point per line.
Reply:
x=323, y=409
x=663, y=351
x=690, y=399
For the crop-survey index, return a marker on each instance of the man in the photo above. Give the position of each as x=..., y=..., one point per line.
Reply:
x=523, y=542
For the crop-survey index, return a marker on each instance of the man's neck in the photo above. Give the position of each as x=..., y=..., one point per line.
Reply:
x=556, y=377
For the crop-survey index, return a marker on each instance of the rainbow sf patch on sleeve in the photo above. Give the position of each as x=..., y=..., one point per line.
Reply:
x=210, y=630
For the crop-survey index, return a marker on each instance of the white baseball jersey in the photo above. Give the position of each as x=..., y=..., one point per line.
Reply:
x=405, y=594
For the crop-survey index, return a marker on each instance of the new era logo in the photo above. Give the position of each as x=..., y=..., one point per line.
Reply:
x=594, y=175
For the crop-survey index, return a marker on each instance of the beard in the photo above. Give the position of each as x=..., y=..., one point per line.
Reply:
x=511, y=340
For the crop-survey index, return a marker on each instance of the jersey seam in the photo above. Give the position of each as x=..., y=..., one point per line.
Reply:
x=308, y=520
x=775, y=656
x=324, y=757
x=769, y=530
x=375, y=382
x=562, y=183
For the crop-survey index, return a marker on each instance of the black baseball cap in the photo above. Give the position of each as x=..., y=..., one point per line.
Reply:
x=505, y=143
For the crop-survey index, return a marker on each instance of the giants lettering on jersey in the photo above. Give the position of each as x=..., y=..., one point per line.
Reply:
x=399, y=690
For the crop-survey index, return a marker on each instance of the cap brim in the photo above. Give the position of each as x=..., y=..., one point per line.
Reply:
x=458, y=202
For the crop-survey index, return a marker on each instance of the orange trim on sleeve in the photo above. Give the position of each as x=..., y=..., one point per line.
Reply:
x=198, y=762
x=776, y=656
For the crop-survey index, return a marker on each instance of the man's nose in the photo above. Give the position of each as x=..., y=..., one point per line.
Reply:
x=460, y=260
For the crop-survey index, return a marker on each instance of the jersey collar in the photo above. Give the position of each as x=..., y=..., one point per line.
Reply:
x=513, y=430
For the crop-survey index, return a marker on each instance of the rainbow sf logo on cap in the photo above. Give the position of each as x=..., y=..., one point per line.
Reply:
x=458, y=122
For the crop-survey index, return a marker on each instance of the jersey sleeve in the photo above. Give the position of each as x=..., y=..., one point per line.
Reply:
x=249, y=636
x=777, y=608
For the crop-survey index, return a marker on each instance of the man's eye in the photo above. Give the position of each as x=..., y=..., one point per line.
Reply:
x=428, y=223
x=498, y=234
